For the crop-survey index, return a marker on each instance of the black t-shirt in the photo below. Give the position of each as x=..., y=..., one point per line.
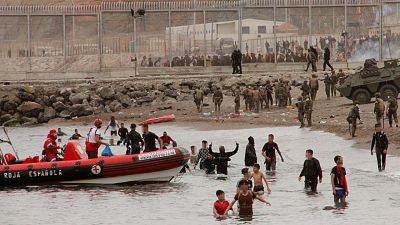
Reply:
x=134, y=139
x=150, y=142
x=269, y=149
x=123, y=132
x=338, y=178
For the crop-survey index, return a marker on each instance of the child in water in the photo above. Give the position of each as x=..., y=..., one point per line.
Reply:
x=221, y=205
x=259, y=177
x=245, y=199
x=339, y=182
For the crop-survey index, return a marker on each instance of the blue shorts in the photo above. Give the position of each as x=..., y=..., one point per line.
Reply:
x=340, y=193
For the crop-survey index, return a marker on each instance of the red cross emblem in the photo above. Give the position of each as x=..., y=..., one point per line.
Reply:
x=96, y=169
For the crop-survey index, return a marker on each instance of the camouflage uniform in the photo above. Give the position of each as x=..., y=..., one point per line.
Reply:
x=256, y=100
x=247, y=98
x=288, y=88
x=379, y=109
x=305, y=90
x=328, y=83
x=392, y=111
x=300, y=107
x=269, y=91
x=308, y=108
x=334, y=80
x=263, y=97
x=354, y=114
x=198, y=99
x=217, y=99
x=281, y=95
x=237, y=99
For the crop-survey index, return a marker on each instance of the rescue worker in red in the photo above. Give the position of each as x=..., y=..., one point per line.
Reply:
x=93, y=141
x=50, y=147
x=166, y=140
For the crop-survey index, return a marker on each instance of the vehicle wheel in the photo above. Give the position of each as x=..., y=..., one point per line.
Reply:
x=362, y=96
x=388, y=90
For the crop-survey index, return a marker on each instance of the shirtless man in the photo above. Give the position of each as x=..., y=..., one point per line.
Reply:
x=258, y=178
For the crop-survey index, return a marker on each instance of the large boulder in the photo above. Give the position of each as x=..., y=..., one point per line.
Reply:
x=10, y=103
x=65, y=92
x=28, y=121
x=4, y=118
x=65, y=114
x=11, y=123
x=81, y=110
x=59, y=106
x=121, y=89
x=137, y=94
x=30, y=109
x=52, y=99
x=188, y=83
x=171, y=93
x=77, y=98
x=115, y=106
x=25, y=96
x=106, y=92
x=49, y=113
x=125, y=101
x=43, y=100
x=96, y=101
x=144, y=99
x=27, y=89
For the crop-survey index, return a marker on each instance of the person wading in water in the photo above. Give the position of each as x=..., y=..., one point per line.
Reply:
x=222, y=158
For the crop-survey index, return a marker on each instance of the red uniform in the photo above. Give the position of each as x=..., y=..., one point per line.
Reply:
x=221, y=207
x=50, y=146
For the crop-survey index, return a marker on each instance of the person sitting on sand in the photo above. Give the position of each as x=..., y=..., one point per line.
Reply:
x=222, y=158
x=245, y=199
x=221, y=205
x=258, y=178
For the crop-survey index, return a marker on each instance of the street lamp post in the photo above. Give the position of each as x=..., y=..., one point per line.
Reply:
x=136, y=14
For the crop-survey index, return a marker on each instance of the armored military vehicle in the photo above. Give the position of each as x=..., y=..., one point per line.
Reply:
x=362, y=85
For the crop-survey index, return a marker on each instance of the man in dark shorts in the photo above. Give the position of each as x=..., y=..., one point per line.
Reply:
x=268, y=152
x=311, y=171
x=150, y=140
x=134, y=142
x=339, y=182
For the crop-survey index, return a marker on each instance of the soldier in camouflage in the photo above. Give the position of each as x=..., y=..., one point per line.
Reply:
x=237, y=99
x=300, y=108
x=379, y=109
x=308, y=108
x=354, y=114
x=392, y=111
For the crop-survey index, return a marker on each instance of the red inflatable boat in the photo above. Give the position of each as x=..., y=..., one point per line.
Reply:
x=157, y=166
x=160, y=119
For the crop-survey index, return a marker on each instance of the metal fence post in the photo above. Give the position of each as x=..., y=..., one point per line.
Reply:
x=345, y=32
x=100, y=36
x=309, y=24
x=381, y=30
x=275, y=39
x=64, y=44
x=28, y=17
x=169, y=37
x=205, y=38
x=240, y=11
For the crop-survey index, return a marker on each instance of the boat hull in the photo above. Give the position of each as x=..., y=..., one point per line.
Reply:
x=157, y=166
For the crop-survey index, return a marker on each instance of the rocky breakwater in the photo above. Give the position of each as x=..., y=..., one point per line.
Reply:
x=29, y=105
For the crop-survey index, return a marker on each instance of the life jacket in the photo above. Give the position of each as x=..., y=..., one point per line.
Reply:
x=90, y=146
x=9, y=159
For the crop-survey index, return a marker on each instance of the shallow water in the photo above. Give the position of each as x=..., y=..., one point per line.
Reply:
x=374, y=197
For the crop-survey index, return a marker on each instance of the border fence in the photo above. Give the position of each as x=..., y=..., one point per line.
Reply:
x=95, y=38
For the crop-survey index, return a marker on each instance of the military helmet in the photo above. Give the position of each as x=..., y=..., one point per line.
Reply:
x=377, y=95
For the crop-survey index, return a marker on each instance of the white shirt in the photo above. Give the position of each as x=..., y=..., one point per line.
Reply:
x=113, y=128
x=92, y=134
